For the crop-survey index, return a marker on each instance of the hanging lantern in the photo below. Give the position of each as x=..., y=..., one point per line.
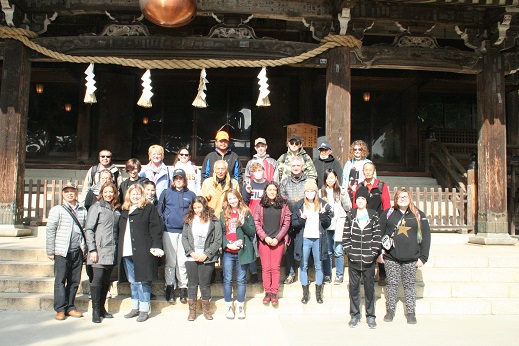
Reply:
x=263, y=98
x=145, y=120
x=145, y=100
x=169, y=13
x=68, y=107
x=39, y=88
x=366, y=96
x=199, y=101
x=90, y=96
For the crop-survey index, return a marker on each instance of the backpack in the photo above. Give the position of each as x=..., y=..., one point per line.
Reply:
x=93, y=172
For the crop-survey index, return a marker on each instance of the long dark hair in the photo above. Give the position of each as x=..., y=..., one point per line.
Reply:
x=336, y=187
x=278, y=201
x=207, y=212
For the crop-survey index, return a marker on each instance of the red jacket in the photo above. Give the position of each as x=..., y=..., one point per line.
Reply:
x=379, y=200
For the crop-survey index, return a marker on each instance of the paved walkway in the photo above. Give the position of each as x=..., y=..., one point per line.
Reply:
x=40, y=328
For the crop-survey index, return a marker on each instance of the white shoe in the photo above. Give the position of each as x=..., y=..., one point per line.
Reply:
x=241, y=311
x=230, y=311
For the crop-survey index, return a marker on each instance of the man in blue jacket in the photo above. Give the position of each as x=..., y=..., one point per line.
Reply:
x=223, y=152
x=173, y=205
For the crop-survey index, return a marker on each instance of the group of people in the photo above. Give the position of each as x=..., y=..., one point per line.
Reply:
x=221, y=212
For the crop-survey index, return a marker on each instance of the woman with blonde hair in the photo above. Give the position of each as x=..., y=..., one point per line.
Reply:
x=238, y=252
x=352, y=173
x=156, y=170
x=140, y=241
x=406, y=241
x=310, y=219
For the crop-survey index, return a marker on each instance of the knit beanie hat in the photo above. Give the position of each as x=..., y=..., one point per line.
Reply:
x=310, y=185
x=362, y=191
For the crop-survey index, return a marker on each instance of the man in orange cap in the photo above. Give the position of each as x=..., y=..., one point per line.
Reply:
x=222, y=152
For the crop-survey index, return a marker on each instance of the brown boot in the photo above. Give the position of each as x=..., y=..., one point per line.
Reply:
x=192, y=309
x=206, y=310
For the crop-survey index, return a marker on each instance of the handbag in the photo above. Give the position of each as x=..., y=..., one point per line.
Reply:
x=387, y=240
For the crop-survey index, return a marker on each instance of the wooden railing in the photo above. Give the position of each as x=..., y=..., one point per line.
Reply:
x=444, y=166
x=40, y=196
x=446, y=209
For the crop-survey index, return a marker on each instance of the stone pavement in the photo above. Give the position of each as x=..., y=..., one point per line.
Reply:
x=274, y=327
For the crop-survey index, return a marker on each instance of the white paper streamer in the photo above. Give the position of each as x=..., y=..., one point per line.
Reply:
x=145, y=100
x=90, y=96
x=263, y=98
x=199, y=101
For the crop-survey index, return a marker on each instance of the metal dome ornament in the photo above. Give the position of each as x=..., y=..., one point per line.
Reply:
x=145, y=100
x=90, y=96
x=169, y=13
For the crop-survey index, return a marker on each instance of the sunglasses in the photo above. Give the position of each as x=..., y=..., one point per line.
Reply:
x=183, y=154
x=294, y=143
x=357, y=149
x=105, y=156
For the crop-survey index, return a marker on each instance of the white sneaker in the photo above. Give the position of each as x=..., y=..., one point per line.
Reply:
x=241, y=311
x=230, y=311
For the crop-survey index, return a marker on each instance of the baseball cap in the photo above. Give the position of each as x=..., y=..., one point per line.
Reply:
x=69, y=184
x=222, y=135
x=295, y=138
x=260, y=140
x=325, y=145
x=179, y=172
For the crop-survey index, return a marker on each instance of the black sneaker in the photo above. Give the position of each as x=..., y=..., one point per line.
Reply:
x=411, y=319
x=353, y=322
x=289, y=280
x=327, y=279
x=382, y=282
x=153, y=297
x=253, y=278
x=371, y=322
x=389, y=316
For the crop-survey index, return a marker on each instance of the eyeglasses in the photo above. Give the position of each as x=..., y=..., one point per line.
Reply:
x=183, y=154
x=357, y=149
x=294, y=143
x=105, y=156
x=403, y=197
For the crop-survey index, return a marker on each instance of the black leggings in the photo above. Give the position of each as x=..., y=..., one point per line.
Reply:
x=101, y=276
x=199, y=275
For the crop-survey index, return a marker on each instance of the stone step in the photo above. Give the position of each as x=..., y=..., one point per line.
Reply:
x=332, y=305
x=10, y=284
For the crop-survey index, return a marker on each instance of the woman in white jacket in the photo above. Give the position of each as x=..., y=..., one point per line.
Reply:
x=193, y=177
x=340, y=202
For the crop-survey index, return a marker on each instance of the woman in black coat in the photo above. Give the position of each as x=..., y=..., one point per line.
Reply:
x=140, y=241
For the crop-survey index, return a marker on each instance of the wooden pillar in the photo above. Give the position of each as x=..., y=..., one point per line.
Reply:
x=14, y=105
x=338, y=102
x=492, y=218
x=512, y=120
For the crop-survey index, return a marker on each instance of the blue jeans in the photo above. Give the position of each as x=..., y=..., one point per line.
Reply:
x=334, y=248
x=141, y=291
x=311, y=245
x=229, y=262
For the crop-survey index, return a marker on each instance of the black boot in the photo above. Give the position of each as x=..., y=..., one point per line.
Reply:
x=183, y=295
x=306, y=294
x=96, y=303
x=104, y=291
x=170, y=294
x=319, y=293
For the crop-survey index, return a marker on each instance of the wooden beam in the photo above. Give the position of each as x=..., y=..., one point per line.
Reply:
x=338, y=102
x=287, y=9
x=14, y=106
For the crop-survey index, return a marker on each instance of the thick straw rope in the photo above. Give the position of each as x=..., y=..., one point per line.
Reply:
x=330, y=41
